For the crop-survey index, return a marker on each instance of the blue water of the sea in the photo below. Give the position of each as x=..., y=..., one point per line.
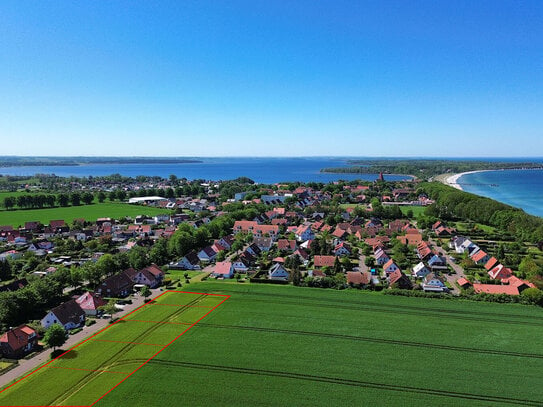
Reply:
x=261, y=170
x=520, y=188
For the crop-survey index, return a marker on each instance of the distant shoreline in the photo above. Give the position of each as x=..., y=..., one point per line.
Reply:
x=452, y=180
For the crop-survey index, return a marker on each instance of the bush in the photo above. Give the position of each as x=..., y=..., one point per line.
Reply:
x=90, y=322
x=76, y=330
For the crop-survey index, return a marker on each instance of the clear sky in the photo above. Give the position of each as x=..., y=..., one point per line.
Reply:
x=271, y=78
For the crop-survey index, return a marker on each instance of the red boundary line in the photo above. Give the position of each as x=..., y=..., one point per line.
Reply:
x=109, y=326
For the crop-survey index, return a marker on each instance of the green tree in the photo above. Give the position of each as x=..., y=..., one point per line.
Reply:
x=159, y=252
x=5, y=270
x=55, y=336
x=109, y=308
x=87, y=198
x=101, y=197
x=137, y=256
x=75, y=199
x=145, y=292
x=63, y=199
x=106, y=265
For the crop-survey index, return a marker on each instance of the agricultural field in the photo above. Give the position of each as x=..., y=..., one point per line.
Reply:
x=269, y=346
x=91, y=369
x=17, y=218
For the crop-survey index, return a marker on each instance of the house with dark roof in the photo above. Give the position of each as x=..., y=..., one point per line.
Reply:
x=189, y=262
x=69, y=314
x=278, y=272
x=118, y=285
x=17, y=342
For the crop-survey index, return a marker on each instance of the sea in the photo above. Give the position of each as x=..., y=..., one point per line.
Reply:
x=260, y=170
x=519, y=188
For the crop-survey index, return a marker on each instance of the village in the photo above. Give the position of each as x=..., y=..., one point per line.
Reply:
x=343, y=235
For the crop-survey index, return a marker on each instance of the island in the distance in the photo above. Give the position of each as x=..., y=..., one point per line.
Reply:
x=17, y=161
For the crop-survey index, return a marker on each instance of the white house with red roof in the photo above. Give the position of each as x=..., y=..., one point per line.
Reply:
x=223, y=269
x=90, y=302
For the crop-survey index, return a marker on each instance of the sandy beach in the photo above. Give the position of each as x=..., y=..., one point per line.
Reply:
x=453, y=179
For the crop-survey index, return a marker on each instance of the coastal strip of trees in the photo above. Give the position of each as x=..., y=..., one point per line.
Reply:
x=425, y=168
x=453, y=204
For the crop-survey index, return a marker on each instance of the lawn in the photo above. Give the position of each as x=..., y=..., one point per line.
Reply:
x=85, y=373
x=269, y=345
x=92, y=212
x=417, y=210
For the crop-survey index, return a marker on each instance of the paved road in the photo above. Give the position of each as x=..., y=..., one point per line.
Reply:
x=362, y=264
x=25, y=366
x=459, y=270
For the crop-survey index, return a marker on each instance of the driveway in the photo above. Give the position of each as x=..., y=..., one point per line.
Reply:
x=458, y=270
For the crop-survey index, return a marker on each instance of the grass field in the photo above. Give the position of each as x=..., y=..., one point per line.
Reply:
x=417, y=210
x=270, y=346
x=275, y=346
x=17, y=218
x=87, y=372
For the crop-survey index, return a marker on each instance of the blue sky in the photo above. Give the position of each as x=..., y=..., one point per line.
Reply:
x=271, y=78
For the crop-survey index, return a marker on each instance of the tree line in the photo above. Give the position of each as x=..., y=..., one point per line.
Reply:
x=453, y=204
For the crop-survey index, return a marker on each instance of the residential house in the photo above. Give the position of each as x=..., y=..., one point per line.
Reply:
x=304, y=232
x=286, y=245
x=463, y=283
x=17, y=342
x=381, y=257
x=357, y=278
x=342, y=249
x=263, y=243
x=278, y=272
x=69, y=315
x=90, y=302
x=437, y=262
x=189, y=262
x=223, y=269
x=324, y=261
x=241, y=265
x=117, y=285
x=207, y=254
x=480, y=257
x=500, y=272
x=420, y=270
x=399, y=279
x=435, y=283
x=390, y=267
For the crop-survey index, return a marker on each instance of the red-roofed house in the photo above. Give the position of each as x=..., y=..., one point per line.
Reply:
x=491, y=263
x=324, y=261
x=500, y=272
x=17, y=342
x=224, y=269
x=480, y=257
x=89, y=302
x=399, y=279
x=390, y=267
x=358, y=278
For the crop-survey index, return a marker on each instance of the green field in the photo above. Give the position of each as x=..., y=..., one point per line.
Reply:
x=270, y=346
x=90, y=213
x=417, y=210
x=275, y=346
x=85, y=373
